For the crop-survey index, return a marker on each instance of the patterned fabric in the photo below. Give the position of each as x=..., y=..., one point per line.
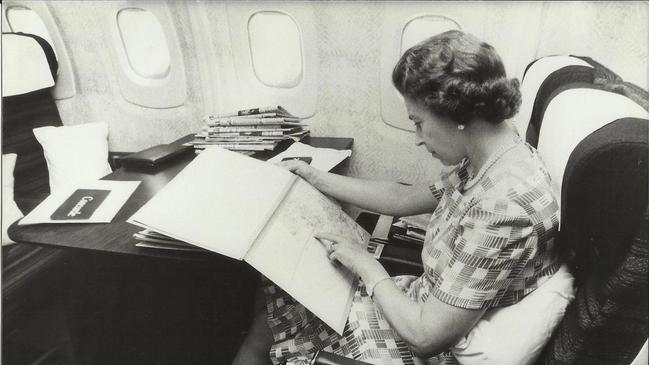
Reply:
x=492, y=239
x=488, y=244
x=367, y=335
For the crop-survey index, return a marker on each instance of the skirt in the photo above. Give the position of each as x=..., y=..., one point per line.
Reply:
x=298, y=334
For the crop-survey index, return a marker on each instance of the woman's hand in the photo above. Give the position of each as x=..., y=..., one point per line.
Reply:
x=351, y=255
x=300, y=168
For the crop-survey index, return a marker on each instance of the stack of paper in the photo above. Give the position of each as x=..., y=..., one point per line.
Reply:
x=249, y=130
x=410, y=229
x=153, y=239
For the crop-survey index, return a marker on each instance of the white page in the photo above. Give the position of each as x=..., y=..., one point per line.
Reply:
x=323, y=159
x=119, y=192
x=219, y=202
x=287, y=253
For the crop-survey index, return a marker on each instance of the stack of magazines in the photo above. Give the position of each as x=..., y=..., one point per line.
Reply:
x=409, y=230
x=249, y=130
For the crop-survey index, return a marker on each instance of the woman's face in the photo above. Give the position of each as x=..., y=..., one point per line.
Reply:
x=439, y=134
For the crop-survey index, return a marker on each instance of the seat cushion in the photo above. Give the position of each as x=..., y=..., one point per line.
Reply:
x=516, y=334
x=74, y=153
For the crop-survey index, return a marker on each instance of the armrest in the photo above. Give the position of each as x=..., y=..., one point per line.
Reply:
x=400, y=260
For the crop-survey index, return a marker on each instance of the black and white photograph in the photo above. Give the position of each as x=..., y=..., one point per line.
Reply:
x=324, y=182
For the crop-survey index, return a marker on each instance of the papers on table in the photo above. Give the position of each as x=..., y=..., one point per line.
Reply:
x=250, y=210
x=89, y=202
x=323, y=159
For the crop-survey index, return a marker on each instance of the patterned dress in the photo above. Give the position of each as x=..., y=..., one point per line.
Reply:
x=489, y=243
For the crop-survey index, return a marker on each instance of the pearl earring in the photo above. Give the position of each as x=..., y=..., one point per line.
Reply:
x=460, y=127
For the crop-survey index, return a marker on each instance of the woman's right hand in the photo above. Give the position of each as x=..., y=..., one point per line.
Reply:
x=300, y=168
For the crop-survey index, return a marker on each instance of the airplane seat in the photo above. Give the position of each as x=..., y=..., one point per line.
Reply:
x=594, y=140
x=591, y=128
x=28, y=272
x=545, y=75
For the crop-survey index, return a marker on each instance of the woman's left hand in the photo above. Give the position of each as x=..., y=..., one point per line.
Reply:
x=351, y=255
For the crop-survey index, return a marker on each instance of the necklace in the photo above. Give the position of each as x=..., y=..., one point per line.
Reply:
x=493, y=158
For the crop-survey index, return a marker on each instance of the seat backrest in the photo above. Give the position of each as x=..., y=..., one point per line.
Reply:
x=541, y=79
x=542, y=75
x=571, y=115
x=29, y=105
x=595, y=144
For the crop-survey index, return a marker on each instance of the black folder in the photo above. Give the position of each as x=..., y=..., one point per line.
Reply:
x=154, y=156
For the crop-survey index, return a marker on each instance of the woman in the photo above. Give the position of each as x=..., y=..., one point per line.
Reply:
x=490, y=239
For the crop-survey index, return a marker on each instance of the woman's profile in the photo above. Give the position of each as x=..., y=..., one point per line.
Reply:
x=488, y=245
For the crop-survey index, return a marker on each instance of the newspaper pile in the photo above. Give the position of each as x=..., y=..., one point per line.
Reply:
x=249, y=130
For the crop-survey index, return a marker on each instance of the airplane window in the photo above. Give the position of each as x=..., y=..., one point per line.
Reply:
x=144, y=43
x=25, y=20
x=423, y=27
x=276, y=49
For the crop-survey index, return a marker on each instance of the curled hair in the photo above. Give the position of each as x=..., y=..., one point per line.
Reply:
x=456, y=75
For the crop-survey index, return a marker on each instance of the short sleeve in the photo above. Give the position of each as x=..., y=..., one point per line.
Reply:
x=495, y=242
x=450, y=179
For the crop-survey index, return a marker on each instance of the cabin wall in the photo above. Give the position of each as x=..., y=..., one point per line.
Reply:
x=348, y=53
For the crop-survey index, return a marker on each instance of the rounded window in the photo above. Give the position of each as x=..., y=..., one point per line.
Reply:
x=276, y=49
x=144, y=43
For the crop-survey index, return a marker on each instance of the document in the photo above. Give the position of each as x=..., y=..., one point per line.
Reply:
x=90, y=202
x=261, y=213
x=323, y=159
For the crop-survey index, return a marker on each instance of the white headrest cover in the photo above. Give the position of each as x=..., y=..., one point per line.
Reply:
x=573, y=115
x=532, y=81
x=24, y=66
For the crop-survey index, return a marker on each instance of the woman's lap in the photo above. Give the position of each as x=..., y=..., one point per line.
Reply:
x=298, y=334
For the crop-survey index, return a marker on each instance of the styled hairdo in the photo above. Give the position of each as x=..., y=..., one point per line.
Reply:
x=457, y=75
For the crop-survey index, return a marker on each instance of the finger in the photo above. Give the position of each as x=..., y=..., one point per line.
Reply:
x=326, y=243
x=329, y=237
x=289, y=165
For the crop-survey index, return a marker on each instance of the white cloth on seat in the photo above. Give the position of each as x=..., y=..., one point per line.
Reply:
x=516, y=335
x=574, y=114
x=534, y=77
x=24, y=66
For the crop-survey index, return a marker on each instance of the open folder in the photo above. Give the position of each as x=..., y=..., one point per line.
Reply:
x=261, y=213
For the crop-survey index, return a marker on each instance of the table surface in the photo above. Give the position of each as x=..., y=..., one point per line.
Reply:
x=117, y=236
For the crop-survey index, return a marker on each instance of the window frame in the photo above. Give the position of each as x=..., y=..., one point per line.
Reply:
x=167, y=92
x=300, y=76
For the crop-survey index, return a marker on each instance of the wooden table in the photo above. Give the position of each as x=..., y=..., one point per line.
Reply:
x=133, y=305
x=117, y=236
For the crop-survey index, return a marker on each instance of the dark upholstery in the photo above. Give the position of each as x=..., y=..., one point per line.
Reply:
x=603, y=232
x=21, y=114
x=27, y=270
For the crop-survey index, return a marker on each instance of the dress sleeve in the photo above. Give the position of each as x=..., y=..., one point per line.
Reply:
x=450, y=179
x=495, y=241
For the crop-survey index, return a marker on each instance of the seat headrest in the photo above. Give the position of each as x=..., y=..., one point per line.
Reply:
x=574, y=114
x=28, y=64
x=536, y=73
